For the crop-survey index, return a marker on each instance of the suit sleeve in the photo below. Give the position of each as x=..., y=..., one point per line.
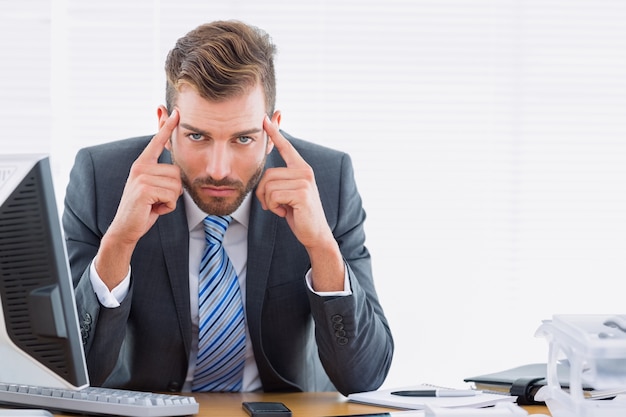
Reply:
x=84, y=223
x=353, y=336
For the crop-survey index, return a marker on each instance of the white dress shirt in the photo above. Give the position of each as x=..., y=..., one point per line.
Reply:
x=236, y=246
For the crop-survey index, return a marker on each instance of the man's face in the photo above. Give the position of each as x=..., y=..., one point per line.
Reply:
x=220, y=147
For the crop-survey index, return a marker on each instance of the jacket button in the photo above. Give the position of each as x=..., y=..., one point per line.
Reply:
x=340, y=333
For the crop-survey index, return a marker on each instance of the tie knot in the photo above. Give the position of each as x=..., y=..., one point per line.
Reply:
x=215, y=227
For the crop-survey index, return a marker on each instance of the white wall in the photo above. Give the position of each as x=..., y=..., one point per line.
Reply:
x=488, y=139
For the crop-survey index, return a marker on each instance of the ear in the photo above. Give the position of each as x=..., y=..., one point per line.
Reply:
x=275, y=119
x=162, y=115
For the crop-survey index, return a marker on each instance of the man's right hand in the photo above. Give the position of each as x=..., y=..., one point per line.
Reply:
x=152, y=189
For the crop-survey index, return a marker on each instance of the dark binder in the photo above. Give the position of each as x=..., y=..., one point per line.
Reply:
x=522, y=381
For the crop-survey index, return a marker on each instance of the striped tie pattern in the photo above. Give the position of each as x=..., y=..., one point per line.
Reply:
x=222, y=334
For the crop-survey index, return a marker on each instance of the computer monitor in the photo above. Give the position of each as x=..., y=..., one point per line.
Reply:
x=40, y=341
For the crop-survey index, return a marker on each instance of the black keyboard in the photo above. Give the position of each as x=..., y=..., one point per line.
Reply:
x=94, y=400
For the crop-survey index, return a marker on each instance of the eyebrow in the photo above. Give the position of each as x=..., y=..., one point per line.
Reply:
x=235, y=135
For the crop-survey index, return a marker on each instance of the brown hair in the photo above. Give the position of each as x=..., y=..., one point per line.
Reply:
x=221, y=60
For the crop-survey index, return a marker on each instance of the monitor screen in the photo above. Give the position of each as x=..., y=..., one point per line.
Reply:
x=40, y=342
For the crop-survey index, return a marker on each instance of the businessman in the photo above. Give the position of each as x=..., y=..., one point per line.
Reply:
x=302, y=303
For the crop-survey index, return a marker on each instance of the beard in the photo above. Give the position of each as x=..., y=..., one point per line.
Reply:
x=220, y=206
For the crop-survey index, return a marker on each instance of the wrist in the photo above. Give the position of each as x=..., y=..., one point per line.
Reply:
x=112, y=261
x=327, y=268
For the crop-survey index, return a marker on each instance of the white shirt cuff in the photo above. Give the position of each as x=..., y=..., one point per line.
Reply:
x=346, y=286
x=109, y=299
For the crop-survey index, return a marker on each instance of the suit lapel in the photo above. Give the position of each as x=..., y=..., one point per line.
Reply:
x=174, y=236
x=175, y=243
x=261, y=241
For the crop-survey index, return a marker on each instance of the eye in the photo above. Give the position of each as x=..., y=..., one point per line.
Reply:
x=195, y=136
x=244, y=140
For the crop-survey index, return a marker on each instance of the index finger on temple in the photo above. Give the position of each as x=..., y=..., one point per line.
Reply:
x=284, y=147
x=154, y=149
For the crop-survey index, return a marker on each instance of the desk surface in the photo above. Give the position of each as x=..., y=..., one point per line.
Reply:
x=312, y=404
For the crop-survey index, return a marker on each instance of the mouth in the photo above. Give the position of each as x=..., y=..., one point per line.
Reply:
x=212, y=191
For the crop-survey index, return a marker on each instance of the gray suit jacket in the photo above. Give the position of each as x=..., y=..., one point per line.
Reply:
x=301, y=342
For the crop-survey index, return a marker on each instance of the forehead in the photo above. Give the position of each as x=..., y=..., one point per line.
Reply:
x=241, y=111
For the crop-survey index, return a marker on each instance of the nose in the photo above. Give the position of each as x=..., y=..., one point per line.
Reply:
x=218, y=161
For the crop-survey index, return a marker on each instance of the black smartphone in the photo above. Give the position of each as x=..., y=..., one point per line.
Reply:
x=266, y=409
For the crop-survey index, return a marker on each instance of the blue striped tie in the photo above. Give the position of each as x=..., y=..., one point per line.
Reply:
x=222, y=334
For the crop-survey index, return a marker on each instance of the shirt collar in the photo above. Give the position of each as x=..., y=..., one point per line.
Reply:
x=195, y=216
